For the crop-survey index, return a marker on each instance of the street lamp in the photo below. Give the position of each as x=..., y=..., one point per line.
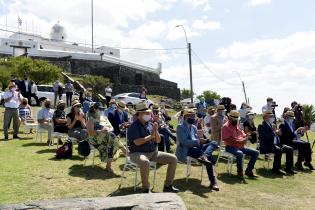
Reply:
x=190, y=67
x=243, y=85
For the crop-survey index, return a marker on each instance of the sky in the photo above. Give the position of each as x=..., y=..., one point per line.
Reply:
x=268, y=44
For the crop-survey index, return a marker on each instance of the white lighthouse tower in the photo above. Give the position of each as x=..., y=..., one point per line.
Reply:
x=58, y=33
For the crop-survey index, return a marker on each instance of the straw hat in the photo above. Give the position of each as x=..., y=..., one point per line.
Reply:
x=61, y=102
x=268, y=113
x=142, y=107
x=234, y=114
x=11, y=84
x=220, y=107
x=88, y=94
x=121, y=104
x=76, y=103
x=250, y=113
x=211, y=108
x=113, y=101
x=189, y=112
x=289, y=114
x=155, y=107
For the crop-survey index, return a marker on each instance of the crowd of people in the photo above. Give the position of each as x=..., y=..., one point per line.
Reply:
x=201, y=130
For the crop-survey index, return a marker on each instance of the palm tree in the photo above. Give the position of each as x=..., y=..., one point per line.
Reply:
x=309, y=114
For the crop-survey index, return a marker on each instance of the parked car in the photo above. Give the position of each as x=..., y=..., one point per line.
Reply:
x=132, y=99
x=47, y=91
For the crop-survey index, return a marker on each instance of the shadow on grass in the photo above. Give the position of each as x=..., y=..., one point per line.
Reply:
x=72, y=158
x=193, y=185
x=90, y=172
x=121, y=166
x=267, y=173
x=34, y=144
x=44, y=151
x=230, y=179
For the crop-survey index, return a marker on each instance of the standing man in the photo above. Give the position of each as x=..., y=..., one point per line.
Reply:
x=34, y=91
x=268, y=106
x=12, y=100
x=57, y=90
x=235, y=140
x=142, y=141
x=217, y=121
x=108, y=94
x=25, y=88
x=201, y=107
x=69, y=92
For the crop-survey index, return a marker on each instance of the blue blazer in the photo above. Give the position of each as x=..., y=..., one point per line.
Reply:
x=266, y=138
x=185, y=140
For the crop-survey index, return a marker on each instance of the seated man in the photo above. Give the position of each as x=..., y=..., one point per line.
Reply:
x=217, y=121
x=290, y=136
x=44, y=118
x=235, y=140
x=119, y=118
x=142, y=146
x=189, y=144
x=60, y=120
x=270, y=143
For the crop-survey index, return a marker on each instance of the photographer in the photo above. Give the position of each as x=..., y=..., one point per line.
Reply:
x=268, y=106
x=298, y=113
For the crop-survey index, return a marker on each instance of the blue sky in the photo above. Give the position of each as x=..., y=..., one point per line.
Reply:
x=270, y=43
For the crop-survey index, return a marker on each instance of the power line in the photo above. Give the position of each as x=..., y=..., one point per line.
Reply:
x=210, y=70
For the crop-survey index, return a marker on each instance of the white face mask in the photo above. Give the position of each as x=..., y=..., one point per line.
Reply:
x=146, y=117
x=271, y=120
x=223, y=113
x=13, y=89
x=89, y=98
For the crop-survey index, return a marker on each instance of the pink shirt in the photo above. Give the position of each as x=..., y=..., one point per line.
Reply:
x=232, y=135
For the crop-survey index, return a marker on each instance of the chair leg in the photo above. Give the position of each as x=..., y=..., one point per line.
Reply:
x=154, y=177
x=201, y=173
x=93, y=157
x=122, y=176
x=187, y=174
x=135, y=184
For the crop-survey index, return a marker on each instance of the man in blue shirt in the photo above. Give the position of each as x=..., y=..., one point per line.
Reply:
x=142, y=143
x=189, y=144
x=201, y=107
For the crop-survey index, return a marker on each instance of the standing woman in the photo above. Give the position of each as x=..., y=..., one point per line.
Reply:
x=76, y=122
x=250, y=128
x=103, y=140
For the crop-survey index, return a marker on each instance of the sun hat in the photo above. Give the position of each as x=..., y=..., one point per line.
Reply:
x=61, y=102
x=268, y=113
x=220, y=107
x=76, y=103
x=155, y=107
x=234, y=114
x=121, y=104
x=11, y=84
x=142, y=107
x=189, y=112
x=290, y=114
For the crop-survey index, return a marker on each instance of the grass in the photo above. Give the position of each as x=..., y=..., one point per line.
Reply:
x=29, y=171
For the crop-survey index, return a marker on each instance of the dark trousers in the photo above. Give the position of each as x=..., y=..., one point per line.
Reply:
x=205, y=149
x=11, y=113
x=36, y=98
x=278, y=151
x=304, y=151
x=28, y=96
x=108, y=98
x=69, y=98
x=167, y=135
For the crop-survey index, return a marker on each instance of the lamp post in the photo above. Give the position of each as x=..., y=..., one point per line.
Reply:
x=92, y=24
x=190, y=66
x=243, y=85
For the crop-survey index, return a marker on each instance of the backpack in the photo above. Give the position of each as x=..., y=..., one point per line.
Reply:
x=65, y=151
x=84, y=148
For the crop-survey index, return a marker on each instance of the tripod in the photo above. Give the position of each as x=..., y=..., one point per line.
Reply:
x=310, y=142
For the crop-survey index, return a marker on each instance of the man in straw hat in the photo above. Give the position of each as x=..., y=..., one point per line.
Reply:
x=44, y=118
x=291, y=137
x=217, y=121
x=235, y=140
x=12, y=100
x=189, y=144
x=112, y=107
x=142, y=143
x=270, y=143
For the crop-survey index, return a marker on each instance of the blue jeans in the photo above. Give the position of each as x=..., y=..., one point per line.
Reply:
x=239, y=154
x=205, y=149
x=167, y=135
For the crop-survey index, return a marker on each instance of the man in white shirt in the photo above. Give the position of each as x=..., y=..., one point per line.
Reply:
x=44, y=118
x=207, y=120
x=268, y=106
x=12, y=100
x=34, y=91
x=108, y=95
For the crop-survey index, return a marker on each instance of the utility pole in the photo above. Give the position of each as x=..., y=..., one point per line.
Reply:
x=92, y=26
x=190, y=73
x=244, y=90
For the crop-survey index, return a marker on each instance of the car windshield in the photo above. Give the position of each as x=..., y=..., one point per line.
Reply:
x=136, y=95
x=45, y=88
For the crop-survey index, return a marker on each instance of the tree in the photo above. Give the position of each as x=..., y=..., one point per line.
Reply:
x=184, y=93
x=209, y=95
x=97, y=83
x=42, y=72
x=309, y=114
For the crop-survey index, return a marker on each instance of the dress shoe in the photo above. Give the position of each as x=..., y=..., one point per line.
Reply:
x=250, y=174
x=278, y=172
x=147, y=190
x=299, y=166
x=309, y=165
x=289, y=171
x=204, y=160
x=6, y=138
x=171, y=189
x=214, y=186
x=16, y=137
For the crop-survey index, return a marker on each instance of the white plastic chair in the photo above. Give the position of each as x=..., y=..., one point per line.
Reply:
x=30, y=123
x=132, y=166
x=230, y=158
x=189, y=162
x=58, y=136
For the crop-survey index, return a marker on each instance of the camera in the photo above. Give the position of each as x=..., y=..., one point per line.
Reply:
x=274, y=104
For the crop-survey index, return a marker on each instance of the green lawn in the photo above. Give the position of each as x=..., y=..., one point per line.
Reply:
x=29, y=171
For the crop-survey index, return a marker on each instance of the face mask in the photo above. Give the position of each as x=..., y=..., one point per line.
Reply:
x=89, y=98
x=114, y=106
x=234, y=122
x=271, y=120
x=191, y=120
x=146, y=117
x=223, y=113
x=24, y=103
x=62, y=108
x=47, y=106
x=13, y=89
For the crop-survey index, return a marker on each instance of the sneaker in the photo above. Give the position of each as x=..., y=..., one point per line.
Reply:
x=309, y=165
x=299, y=166
x=250, y=174
x=171, y=189
x=214, y=187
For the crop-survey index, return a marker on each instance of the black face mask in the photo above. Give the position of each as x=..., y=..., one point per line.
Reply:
x=191, y=120
x=234, y=123
x=24, y=103
x=62, y=108
x=47, y=106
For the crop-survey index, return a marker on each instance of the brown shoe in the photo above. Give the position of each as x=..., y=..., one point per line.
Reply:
x=240, y=175
x=251, y=174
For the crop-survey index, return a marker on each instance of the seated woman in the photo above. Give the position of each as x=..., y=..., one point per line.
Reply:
x=102, y=139
x=250, y=128
x=59, y=119
x=25, y=113
x=76, y=122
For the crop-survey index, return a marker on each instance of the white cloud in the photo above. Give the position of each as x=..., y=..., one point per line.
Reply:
x=259, y=2
x=199, y=3
x=206, y=25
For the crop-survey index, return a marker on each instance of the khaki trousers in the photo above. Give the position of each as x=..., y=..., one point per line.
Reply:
x=143, y=161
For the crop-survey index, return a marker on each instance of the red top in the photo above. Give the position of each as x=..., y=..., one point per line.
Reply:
x=233, y=136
